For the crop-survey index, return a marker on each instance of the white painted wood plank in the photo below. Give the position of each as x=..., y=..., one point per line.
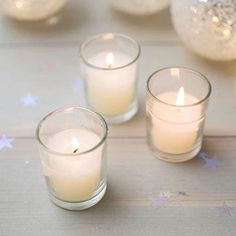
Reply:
x=135, y=177
x=81, y=19
x=135, y=174
x=50, y=73
x=41, y=59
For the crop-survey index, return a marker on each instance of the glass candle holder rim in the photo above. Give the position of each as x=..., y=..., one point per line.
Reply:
x=69, y=109
x=199, y=74
x=95, y=37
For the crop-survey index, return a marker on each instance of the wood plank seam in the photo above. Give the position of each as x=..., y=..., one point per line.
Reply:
x=65, y=44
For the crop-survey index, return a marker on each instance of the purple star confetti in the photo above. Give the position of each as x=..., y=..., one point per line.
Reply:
x=29, y=100
x=79, y=84
x=6, y=142
x=203, y=155
x=225, y=210
x=162, y=199
x=211, y=162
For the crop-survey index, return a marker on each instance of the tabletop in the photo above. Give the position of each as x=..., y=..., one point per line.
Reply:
x=39, y=73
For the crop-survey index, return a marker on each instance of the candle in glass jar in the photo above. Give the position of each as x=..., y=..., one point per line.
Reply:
x=112, y=90
x=177, y=100
x=109, y=65
x=178, y=136
x=73, y=178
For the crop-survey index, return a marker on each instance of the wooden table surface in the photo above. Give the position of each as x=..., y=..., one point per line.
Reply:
x=41, y=59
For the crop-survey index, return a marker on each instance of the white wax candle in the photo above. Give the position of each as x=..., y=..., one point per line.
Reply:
x=174, y=129
x=73, y=178
x=110, y=92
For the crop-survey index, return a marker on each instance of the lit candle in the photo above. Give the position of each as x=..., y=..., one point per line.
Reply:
x=110, y=75
x=72, y=145
x=177, y=100
x=111, y=92
x=74, y=178
x=173, y=137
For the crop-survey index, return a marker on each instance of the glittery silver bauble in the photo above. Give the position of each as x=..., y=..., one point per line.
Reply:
x=140, y=7
x=207, y=26
x=31, y=9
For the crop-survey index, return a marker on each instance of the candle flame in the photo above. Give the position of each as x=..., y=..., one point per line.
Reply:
x=180, y=97
x=75, y=144
x=110, y=60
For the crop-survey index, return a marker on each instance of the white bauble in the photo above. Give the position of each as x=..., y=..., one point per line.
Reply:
x=31, y=9
x=140, y=7
x=208, y=27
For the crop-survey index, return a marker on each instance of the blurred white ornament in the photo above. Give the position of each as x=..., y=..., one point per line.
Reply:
x=31, y=9
x=208, y=27
x=140, y=7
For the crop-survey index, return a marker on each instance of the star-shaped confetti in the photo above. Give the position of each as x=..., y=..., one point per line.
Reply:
x=203, y=155
x=6, y=142
x=162, y=199
x=79, y=84
x=29, y=100
x=211, y=162
x=225, y=210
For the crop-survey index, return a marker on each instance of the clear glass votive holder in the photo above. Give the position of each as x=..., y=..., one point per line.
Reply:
x=109, y=66
x=31, y=10
x=72, y=146
x=176, y=106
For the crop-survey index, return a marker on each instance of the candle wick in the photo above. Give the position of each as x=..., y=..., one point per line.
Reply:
x=76, y=150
